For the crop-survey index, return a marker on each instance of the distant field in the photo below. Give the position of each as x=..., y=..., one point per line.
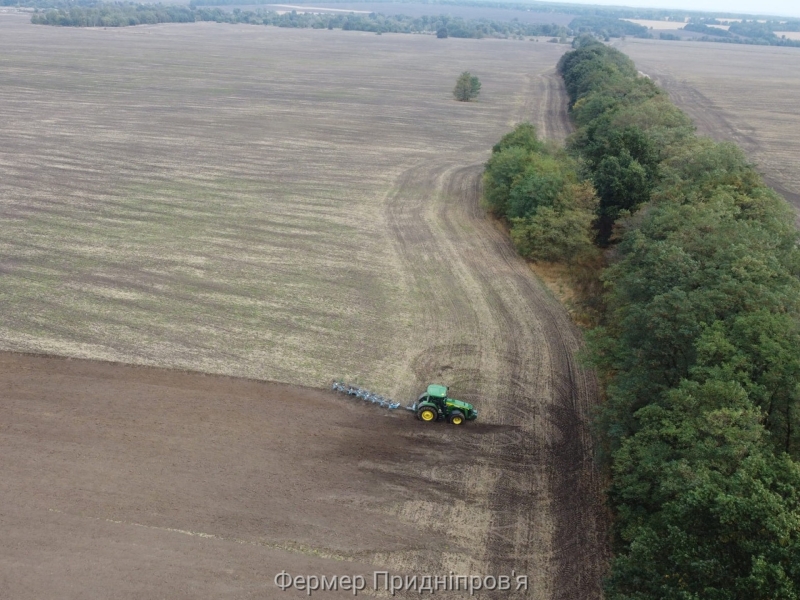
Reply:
x=747, y=94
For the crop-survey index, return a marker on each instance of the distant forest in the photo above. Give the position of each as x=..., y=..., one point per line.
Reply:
x=124, y=14
x=602, y=22
x=588, y=9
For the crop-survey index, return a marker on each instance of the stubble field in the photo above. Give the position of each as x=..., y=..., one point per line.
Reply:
x=289, y=206
x=745, y=94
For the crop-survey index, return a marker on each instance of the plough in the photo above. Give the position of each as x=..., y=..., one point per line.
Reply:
x=358, y=392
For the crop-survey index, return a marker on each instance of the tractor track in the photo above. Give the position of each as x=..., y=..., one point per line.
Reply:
x=514, y=348
x=553, y=119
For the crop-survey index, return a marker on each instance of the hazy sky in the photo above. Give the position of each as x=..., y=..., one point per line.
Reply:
x=788, y=8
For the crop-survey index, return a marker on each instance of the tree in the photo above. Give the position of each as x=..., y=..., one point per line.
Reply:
x=554, y=235
x=524, y=136
x=704, y=509
x=441, y=33
x=501, y=171
x=467, y=87
x=622, y=184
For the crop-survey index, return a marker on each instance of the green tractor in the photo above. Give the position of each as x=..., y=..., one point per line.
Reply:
x=434, y=405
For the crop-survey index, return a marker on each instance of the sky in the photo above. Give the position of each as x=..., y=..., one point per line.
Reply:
x=787, y=8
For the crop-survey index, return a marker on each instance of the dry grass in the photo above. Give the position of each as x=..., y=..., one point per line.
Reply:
x=556, y=277
x=747, y=94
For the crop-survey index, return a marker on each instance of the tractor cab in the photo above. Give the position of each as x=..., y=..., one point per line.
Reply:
x=435, y=394
x=434, y=405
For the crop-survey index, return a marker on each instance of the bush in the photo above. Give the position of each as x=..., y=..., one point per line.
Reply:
x=467, y=87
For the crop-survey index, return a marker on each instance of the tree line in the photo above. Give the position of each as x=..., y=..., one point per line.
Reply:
x=744, y=32
x=599, y=22
x=124, y=14
x=698, y=341
x=564, y=8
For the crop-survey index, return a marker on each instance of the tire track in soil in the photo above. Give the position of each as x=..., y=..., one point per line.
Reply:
x=493, y=333
x=553, y=119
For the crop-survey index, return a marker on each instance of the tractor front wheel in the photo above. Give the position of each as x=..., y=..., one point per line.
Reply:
x=456, y=417
x=427, y=414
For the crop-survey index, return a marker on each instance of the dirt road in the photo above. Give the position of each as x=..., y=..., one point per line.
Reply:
x=504, y=342
x=551, y=104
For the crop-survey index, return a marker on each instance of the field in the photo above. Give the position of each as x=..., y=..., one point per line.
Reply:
x=290, y=206
x=746, y=94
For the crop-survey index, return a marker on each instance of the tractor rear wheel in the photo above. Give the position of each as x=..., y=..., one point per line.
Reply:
x=427, y=414
x=456, y=417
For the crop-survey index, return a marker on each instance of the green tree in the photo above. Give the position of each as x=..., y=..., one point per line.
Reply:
x=553, y=235
x=622, y=184
x=704, y=509
x=467, y=87
x=539, y=185
x=699, y=348
x=524, y=136
x=503, y=168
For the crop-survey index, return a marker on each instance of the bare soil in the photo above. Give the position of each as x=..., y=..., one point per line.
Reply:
x=291, y=206
x=137, y=482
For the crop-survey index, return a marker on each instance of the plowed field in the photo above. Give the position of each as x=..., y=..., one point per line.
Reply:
x=289, y=206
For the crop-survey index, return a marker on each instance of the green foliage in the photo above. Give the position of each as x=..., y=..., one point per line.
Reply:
x=758, y=350
x=91, y=13
x=705, y=509
x=623, y=184
x=699, y=348
x=503, y=168
x=122, y=14
x=539, y=191
x=702, y=28
x=626, y=127
x=617, y=12
x=607, y=27
x=602, y=22
x=747, y=32
x=523, y=136
x=540, y=184
x=561, y=231
x=467, y=87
